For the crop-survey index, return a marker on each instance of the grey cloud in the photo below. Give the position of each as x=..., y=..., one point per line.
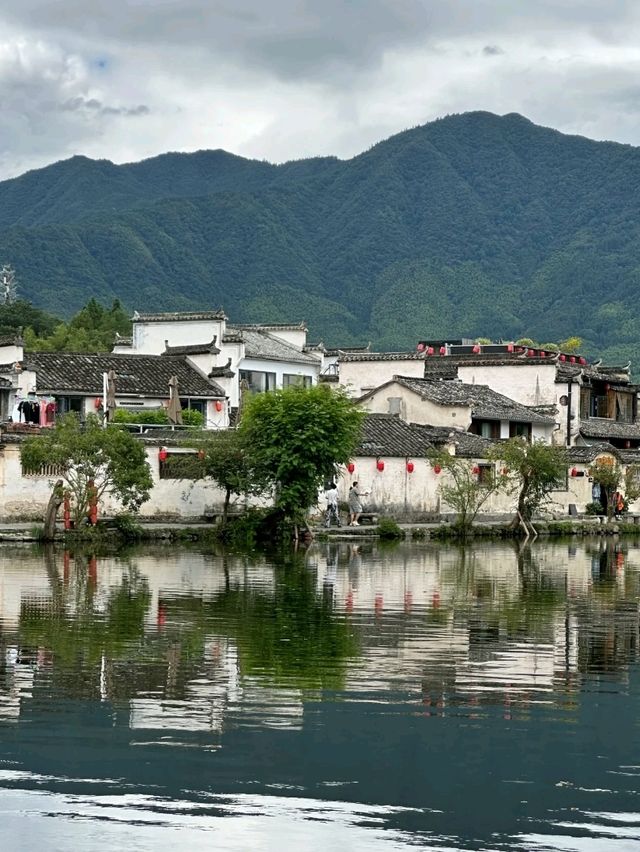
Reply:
x=92, y=105
x=492, y=50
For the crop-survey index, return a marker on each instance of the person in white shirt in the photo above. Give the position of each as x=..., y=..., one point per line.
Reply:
x=332, y=513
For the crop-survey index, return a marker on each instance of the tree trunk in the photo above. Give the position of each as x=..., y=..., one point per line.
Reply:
x=57, y=496
x=225, y=508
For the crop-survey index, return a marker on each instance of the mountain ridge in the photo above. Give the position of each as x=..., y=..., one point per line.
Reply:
x=473, y=224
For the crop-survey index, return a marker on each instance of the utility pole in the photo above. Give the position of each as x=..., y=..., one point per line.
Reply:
x=8, y=285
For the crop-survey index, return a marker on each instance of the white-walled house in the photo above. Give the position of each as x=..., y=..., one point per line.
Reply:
x=361, y=372
x=466, y=407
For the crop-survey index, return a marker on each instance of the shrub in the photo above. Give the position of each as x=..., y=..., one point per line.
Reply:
x=594, y=508
x=149, y=416
x=191, y=417
x=388, y=528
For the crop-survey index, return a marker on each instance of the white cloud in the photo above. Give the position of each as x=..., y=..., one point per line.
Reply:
x=294, y=78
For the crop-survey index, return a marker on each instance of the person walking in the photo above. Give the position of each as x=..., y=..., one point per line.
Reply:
x=355, y=506
x=332, y=513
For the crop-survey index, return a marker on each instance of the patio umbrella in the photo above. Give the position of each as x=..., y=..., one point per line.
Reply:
x=173, y=409
x=111, y=395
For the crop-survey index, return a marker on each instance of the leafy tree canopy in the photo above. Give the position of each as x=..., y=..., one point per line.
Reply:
x=85, y=453
x=295, y=438
x=92, y=329
x=532, y=472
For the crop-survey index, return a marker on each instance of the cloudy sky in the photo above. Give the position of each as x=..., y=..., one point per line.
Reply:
x=281, y=79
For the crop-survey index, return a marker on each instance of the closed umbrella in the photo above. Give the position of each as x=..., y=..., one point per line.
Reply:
x=174, y=409
x=111, y=395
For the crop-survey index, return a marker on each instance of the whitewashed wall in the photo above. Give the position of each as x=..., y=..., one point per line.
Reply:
x=149, y=337
x=358, y=377
x=280, y=368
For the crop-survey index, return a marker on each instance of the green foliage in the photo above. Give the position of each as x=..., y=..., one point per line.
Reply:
x=142, y=417
x=394, y=245
x=461, y=488
x=111, y=458
x=389, y=529
x=183, y=466
x=227, y=462
x=595, y=508
x=533, y=472
x=191, y=417
x=608, y=475
x=295, y=438
x=92, y=329
x=23, y=315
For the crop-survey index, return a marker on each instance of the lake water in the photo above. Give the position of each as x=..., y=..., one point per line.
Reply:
x=351, y=698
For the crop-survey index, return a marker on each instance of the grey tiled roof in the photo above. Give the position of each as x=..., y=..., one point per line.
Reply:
x=601, y=427
x=260, y=344
x=586, y=454
x=179, y=316
x=388, y=435
x=148, y=375
x=224, y=371
x=272, y=326
x=381, y=356
x=348, y=350
x=441, y=368
x=192, y=349
x=484, y=402
x=11, y=340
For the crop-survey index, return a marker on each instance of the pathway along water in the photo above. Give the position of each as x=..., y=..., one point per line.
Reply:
x=355, y=698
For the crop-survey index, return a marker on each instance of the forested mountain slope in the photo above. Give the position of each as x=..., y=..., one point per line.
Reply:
x=471, y=225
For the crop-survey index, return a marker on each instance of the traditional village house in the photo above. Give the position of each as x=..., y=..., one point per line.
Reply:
x=361, y=372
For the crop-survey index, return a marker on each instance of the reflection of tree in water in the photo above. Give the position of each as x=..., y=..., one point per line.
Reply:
x=609, y=621
x=289, y=636
x=79, y=632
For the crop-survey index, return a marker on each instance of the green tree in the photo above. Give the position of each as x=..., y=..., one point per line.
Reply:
x=571, y=344
x=92, y=329
x=226, y=462
x=89, y=456
x=608, y=475
x=532, y=472
x=463, y=488
x=294, y=439
x=23, y=315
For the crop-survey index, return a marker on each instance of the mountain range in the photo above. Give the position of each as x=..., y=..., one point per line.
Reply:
x=471, y=225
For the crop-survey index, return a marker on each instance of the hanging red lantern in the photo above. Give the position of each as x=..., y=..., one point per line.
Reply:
x=583, y=361
x=443, y=350
x=218, y=405
x=437, y=468
x=380, y=465
x=572, y=360
x=510, y=347
x=574, y=471
x=531, y=352
x=410, y=467
x=97, y=402
x=420, y=347
x=162, y=454
x=351, y=467
x=476, y=349
x=563, y=357
x=430, y=350
x=542, y=353
x=475, y=470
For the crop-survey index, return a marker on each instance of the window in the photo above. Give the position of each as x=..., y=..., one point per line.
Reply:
x=69, y=403
x=485, y=474
x=487, y=428
x=290, y=379
x=520, y=430
x=258, y=381
x=194, y=404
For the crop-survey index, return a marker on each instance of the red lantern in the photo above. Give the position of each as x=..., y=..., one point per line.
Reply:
x=531, y=352
x=563, y=357
x=97, y=402
x=351, y=467
x=574, y=471
x=542, y=353
x=572, y=360
x=218, y=405
x=410, y=467
x=443, y=350
x=420, y=347
x=510, y=347
x=583, y=361
x=162, y=454
x=476, y=349
x=380, y=465
x=430, y=350
x=437, y=468
x=201, y=454
x=475, y=470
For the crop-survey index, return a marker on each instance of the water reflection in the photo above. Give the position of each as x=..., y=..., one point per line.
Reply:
x=286, y=685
